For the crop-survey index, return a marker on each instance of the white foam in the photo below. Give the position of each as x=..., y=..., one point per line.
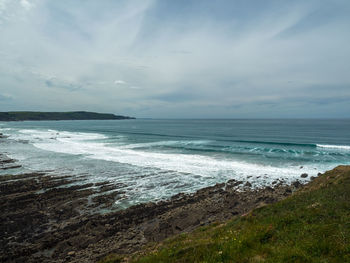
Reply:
x=147, y=175
x=338, y=147
x=165, y=143
x=49, y=135
x=88, y=144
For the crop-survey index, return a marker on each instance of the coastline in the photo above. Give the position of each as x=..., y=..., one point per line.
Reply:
x=46, y=219
x=56, y=116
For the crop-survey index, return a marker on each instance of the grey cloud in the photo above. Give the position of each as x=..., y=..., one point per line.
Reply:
x=55, y=83
x=238, y=58
x=177, y=97
x=119, y=82
x=329, y=100
x=5, y=97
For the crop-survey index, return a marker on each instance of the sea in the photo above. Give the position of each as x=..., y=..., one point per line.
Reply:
x=154, y=159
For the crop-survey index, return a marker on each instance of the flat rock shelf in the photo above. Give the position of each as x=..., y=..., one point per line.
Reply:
x=47, y=218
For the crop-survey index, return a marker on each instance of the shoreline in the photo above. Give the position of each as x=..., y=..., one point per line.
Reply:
x=44, y=220
x=57, y=116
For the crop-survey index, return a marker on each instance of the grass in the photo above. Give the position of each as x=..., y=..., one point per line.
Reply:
x=312, y=225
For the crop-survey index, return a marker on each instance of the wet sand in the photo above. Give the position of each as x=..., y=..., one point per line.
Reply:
x=46, y=218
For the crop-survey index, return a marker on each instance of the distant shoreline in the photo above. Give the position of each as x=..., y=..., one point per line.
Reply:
x=58, y=116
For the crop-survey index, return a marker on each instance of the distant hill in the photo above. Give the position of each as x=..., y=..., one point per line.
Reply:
x=55, y=116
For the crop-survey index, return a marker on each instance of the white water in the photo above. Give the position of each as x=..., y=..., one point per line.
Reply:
x=338, y=147
x=91, y=145
x=147, y=171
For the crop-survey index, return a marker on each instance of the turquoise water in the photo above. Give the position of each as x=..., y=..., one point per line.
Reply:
x=155, y=159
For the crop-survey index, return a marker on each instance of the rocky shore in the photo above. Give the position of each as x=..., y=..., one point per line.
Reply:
x=48, y=218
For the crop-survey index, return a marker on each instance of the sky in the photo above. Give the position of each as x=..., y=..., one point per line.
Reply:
x=177, y=59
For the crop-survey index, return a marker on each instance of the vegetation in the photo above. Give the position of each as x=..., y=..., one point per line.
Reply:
x=312, y=225
x=74, y=115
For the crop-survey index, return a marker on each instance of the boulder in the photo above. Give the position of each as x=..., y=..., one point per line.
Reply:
x=247, y=184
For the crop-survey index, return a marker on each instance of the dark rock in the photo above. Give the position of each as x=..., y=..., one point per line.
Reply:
x=102, y=183
x=247, y=184
x=10, y=167
x=238, y=183
x=43, y=221
x=270, y=189
x=231, y=181
x=71, y=253
x=288, y=191
x=296, y=184
x=304, y=175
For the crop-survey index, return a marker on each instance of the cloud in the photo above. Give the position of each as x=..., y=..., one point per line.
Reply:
x=26, y=4
x=126, y=85
x=6, y=97
x=62, y=84
x=119, y=82
x=3, y=4
x=204, y=58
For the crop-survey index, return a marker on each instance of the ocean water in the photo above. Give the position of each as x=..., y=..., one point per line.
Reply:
x=155, y=159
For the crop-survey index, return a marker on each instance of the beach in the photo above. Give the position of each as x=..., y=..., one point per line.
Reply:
x=174, y=131
x=77, y=191
x=44, y=220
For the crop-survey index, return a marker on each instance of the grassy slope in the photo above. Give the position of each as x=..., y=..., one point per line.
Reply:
x=312, y=225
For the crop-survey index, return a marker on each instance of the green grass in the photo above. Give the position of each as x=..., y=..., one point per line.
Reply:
x=312, y=225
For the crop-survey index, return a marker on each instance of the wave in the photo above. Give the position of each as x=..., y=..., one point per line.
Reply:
x=170, y=144
x=153, y=167
x=184, y=163
x=155, y=134
x=199, y=138
x=94, y=146
x=178, y=143
x=338, y=147
x=274, y=143
x=200, y=145
x=207, y=146
x=54, y=134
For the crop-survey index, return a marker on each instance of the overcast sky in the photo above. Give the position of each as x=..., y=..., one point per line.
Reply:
x=177, y=59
